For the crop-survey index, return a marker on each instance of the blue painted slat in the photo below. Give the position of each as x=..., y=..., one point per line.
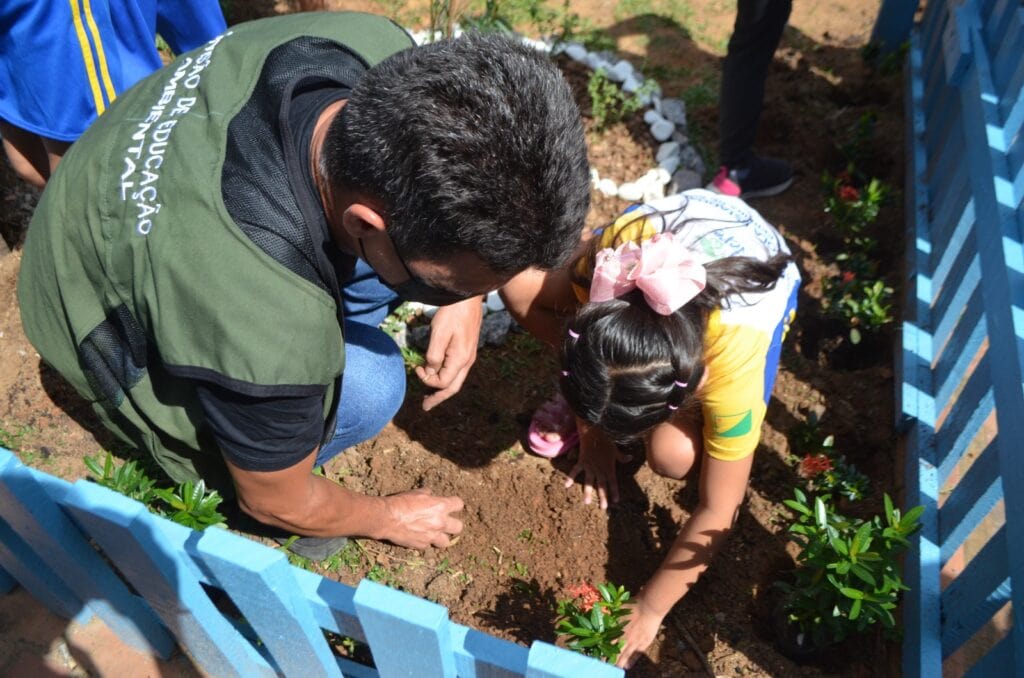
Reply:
x=32, y=573
x=949, y=253
x=959, y=289
x=981, y=589
x=7, y=582
x=129, y=535
x=922, y=655
x=30, y=512
x=960, y=350
x=970, y=501
x=259, y=581
x=969, y=412
x=409, y=636
x=330, y=601
x=478, y=655
x=548, y=661
x=998, y=661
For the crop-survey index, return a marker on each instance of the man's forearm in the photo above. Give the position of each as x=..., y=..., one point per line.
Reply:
x=327, y=510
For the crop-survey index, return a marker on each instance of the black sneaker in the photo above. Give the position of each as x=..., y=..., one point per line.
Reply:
x=763, y=177
x=313, y=548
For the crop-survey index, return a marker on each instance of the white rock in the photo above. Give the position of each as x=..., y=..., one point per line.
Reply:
x=594, y=176
x=494, y=302
x=654, y=192
x=662, y=174
x=631, y=192
x=632, y=84
x=429, y=310
x=646, y=98
x=674, y=110
x=669, y=164
x=608, y=187
x=596, y=62
x=651, y=117
x=576, y=51
x=669, y=149
x=621, y=71
x=662, y=129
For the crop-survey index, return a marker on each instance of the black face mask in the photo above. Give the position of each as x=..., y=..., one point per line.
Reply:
x=416, y=289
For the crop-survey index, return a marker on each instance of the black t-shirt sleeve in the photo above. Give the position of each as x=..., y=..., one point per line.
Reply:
x=262, y=434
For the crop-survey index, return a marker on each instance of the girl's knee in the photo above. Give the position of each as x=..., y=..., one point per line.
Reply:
x=673, y=451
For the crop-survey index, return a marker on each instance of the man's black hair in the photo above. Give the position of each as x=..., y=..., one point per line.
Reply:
x=473, y=144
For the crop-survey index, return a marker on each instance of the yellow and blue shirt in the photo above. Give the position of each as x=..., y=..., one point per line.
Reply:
x=743, y=338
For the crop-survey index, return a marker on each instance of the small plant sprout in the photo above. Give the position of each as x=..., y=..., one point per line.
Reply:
x=192, y=506
x=608, y=102
x=848, y=577
x=128, y=478
x=592, y=620
x=822, y=470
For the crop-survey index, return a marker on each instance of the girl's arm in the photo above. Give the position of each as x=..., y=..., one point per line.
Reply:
x=722, y=488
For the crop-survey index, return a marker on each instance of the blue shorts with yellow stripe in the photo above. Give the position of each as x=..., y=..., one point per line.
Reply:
x=62, y=62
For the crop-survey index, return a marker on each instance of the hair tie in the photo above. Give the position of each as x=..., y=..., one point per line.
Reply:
x=681, y=384
x=574, y=334
x=673, y=407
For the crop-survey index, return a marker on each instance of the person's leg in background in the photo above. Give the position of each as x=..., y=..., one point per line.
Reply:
x=373, y=385
x=34, y=158
x=756, y=35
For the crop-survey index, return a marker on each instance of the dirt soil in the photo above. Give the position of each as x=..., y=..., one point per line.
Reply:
x=527, y=538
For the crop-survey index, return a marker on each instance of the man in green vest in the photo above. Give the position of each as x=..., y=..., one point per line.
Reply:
x=210, y=262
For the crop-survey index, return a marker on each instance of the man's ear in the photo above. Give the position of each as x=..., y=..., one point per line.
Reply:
x=360, y=220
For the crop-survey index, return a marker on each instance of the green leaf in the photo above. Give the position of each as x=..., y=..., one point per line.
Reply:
x=855, y=594
x=910, y=519
x=797, y=506
x=855, y=609
x=864, y=575
x=854, y=335
x=888, y=507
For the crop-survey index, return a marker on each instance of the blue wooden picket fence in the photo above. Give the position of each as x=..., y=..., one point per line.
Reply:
x=58, y=540
x=961, y=392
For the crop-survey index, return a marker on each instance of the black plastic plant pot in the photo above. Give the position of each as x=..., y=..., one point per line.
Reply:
x=790, y=639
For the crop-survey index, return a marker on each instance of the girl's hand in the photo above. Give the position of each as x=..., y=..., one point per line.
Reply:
x=597, y=460
x=642, y=626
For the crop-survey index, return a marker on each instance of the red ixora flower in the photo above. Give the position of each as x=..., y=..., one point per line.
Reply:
x=848, y=277
x=586, y=593
x=814, y=464
x=848, y=194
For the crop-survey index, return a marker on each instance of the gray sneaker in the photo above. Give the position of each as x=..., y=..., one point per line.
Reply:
x=313, y=548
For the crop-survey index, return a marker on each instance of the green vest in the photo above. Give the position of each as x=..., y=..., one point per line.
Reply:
x=135, y=280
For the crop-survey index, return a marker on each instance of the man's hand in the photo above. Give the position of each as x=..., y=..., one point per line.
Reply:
x=418, y=519
x=642, y=626
x=597, y=461
x=455, y=331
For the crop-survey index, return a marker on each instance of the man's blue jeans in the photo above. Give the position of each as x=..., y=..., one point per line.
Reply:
x=373, y=384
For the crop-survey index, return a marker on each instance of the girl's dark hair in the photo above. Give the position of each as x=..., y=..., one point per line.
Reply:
x=624, y=362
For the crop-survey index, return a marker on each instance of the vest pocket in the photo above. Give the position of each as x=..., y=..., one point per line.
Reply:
x=113, y=355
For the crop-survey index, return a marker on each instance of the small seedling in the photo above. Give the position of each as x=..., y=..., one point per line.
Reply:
x=192, y=506
x=592, y=619
x=129, y=478
x=609, y=104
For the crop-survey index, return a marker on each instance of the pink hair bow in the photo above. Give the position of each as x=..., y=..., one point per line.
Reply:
x=667, y=273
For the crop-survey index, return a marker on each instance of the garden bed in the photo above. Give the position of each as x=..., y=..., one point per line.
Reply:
x=528, y=539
